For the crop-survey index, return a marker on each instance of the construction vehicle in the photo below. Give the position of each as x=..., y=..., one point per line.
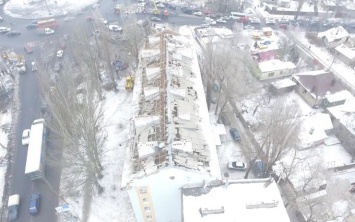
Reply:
x=20, y=64
x=129, y=82
x=156, y=10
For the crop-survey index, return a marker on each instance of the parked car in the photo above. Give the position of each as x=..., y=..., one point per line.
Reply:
x=236, y=165
x=1, y=19
x=213, y=22
x=249, y=27
x=198, y=13
x=28, y=49
x=31, y=26
x=26, y=137
x=69, y=18
x=160, y=5
x=221, y=21
x=12, y=207
x=57, y=66
x=235, y=134
x=34, y=67
x=225, y=120
x=258, y=167
x=60, y=53
x=270, y=21
x=34, y=204
x=13, y=33
x=156, y=19
x=4, y=30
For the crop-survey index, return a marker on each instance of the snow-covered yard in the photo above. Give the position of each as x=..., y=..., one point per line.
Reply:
x=112, y=203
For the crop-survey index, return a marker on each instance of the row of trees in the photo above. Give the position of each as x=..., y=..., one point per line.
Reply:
x=75, y=103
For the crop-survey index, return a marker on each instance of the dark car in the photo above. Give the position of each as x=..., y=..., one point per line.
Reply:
x=235, y=134
x=258, y=167
x=31, y=26
x=1, y=19
x=34, y=204
x=119, y=65
x=13, y=33
x=225, y=120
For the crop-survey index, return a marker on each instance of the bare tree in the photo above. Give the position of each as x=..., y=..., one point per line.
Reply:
x=132, y=40
x=285, y=47
x=282, y=125
x=299, y=7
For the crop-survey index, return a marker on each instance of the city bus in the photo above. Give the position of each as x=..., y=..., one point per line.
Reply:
x=237, y=15
x=49, y=23
x=36, y=151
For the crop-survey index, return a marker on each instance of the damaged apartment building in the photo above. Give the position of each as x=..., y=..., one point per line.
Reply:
x=171, y=141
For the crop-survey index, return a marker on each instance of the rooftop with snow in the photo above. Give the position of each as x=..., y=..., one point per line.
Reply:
x=238, y=200
x=170, y=124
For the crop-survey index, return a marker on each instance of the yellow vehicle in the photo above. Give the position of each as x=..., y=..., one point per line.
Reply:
x=156, y=10
x=129, y=82
x=256, y=35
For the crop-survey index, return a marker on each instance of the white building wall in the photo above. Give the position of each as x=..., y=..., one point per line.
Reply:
x=165, y=193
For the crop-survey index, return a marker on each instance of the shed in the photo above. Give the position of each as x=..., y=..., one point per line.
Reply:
x=345, y=54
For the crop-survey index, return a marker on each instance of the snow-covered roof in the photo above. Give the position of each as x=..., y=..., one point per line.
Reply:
x=339, y=96
x=343, y=110
x=346, y=51
x=319, y=83
x=213, y=35
x=283, y=83
x=334, y=34
x=171, y=126
x=275, y=65
x=239, y=200
x=313, y=129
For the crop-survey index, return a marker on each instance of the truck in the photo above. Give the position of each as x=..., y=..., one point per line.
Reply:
x=45, y=31
x=12, y=206
x=21, y=65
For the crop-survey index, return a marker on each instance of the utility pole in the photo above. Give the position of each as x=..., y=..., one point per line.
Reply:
x=49, y=11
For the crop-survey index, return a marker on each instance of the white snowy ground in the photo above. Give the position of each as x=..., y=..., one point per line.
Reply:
x=5, y=119
x=35, y=9
x=113, y=204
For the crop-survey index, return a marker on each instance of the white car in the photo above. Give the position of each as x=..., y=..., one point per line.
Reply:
x=270, y=21
x=212, y=22
x=160, y=5
x=236, y=165
x=60, y=53
x=141, y=4
x=115, y=28
x=102, y=20
x=69, y=18
x=198, y=13
x=26, y=137
x=4, y=29
x=255, y=20
x=221, y=21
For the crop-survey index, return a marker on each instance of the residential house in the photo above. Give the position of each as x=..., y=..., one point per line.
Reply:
x=234, y=200
x=336, y=99
x=343, y=117
x=172, y=142
x=314, y=86
x=345, y=54
x=275, y=68
x=336, y=36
